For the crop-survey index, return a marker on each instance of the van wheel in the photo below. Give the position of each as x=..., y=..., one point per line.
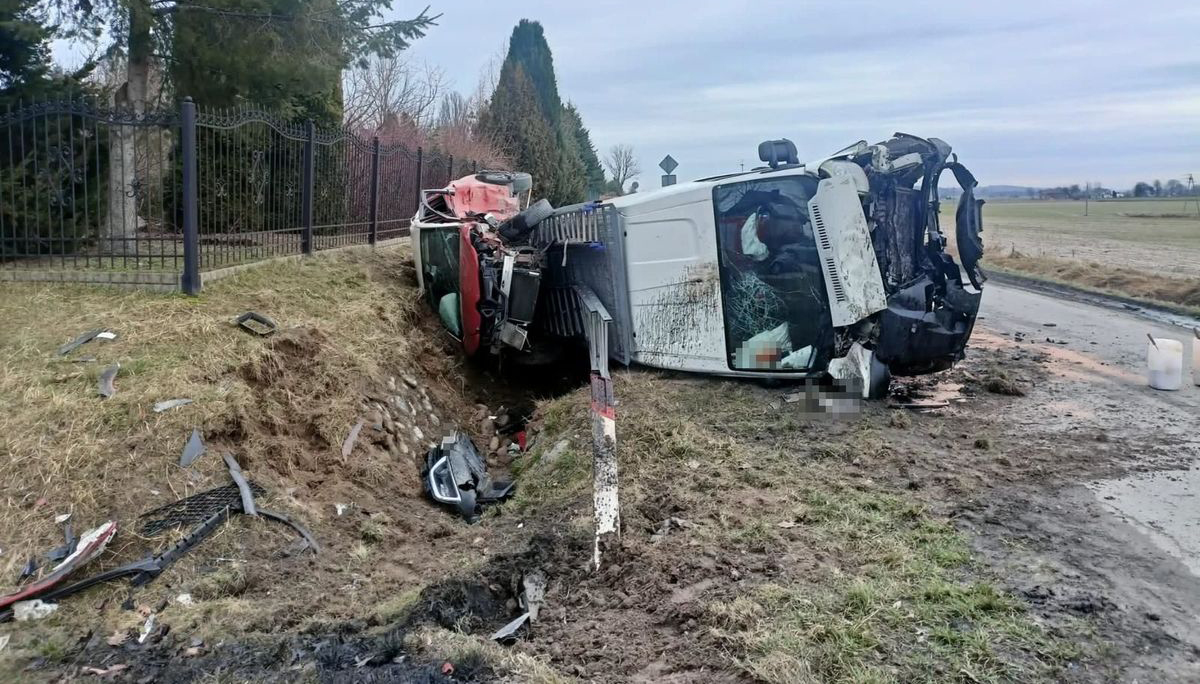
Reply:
x=880, y=381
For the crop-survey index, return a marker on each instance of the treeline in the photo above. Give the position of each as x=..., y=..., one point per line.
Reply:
x=1172, y=188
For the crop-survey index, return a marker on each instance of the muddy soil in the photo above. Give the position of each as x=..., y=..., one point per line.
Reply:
x=1011, y=469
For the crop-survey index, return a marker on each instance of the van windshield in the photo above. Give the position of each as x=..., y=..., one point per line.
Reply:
x=772, y=289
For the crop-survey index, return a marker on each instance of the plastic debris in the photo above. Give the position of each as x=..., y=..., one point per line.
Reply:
x=235, y=471
x=348, y=445
x=534, y=584
x=169, y=404
x=147, y=628
x=78, y=342
x=185, y=600
x=106, y=335
x=193, y=450
x=508, y=632
x=456, y=475
x=256, y=323
x=24, y=611
x=105, y=383
x=61, y=518
x=4, y=640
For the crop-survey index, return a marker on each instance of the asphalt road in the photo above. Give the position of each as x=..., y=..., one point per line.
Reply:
x=1098, y=382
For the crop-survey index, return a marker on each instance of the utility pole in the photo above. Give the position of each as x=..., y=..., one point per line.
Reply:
x=1191, y=195
x=1087, y=195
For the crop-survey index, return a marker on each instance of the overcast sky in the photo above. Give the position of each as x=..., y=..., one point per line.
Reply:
x=1027, y=92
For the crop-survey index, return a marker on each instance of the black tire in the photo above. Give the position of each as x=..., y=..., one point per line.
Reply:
x=880, y=381
x=520, y=226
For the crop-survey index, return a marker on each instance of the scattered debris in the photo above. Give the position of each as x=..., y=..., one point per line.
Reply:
x=185, y=600
x=348, y=445
x=193, y=450
x=4, y=640
x=280, y=517
x=534, y=585
x=508, y=633
x=1152, y=341
x=68, y=547
x=193, y=509
x=341, y=508
x=235, y=471
x=254, y=322
x=147, y=628
x=456, y=475
x=84, y=339
x=61, y=518
x=89, y=546
x=669, y=524
x=169, y=404
x=105, y=383
x=1049, y=325
x=117, y=638
x=29, y=569
x=110, y=671
x=786, y=524
x=25, y=611
x=919, y=405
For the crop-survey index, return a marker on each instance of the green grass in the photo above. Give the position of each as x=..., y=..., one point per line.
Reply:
x=901, y=608
x=896, y=594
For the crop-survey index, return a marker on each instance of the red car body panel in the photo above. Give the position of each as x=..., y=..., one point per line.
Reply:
x=468, y=296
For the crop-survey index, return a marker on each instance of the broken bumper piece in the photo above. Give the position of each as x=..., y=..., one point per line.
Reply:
x=455, y=475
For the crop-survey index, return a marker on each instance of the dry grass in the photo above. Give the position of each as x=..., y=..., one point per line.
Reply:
x=1126, y=282
x=283, y=405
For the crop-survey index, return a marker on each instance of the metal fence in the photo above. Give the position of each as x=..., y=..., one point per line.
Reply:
x=90, y=188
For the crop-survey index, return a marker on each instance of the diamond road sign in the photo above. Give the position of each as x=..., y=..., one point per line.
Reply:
x=668, y=164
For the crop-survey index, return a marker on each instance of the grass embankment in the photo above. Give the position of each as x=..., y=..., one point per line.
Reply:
x=1145, y=250
x=842, y=578
x=350, y=330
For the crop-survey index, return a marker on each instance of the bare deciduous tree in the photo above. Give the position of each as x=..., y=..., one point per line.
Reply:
x=622, y=165
x=390, y=88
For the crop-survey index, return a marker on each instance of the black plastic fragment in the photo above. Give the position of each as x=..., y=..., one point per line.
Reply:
x=79, y=341
x=456, y=475
x=254, y=322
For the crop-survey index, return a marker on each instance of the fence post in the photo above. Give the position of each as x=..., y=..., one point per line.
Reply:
x=190, y=281
x=373, y=211
x=420, y=178
x=306, y=193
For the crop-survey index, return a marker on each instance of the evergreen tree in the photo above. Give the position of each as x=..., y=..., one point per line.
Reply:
x=24, y=59
x=528, y=48
x=514, y=122
x=591, y=161
x=573, y=171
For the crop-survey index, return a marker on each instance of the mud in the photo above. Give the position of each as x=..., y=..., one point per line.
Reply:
x=1026, y=478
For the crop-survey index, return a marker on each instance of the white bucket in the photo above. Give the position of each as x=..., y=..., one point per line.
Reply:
x=1196, y=360
x=1164, y=362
